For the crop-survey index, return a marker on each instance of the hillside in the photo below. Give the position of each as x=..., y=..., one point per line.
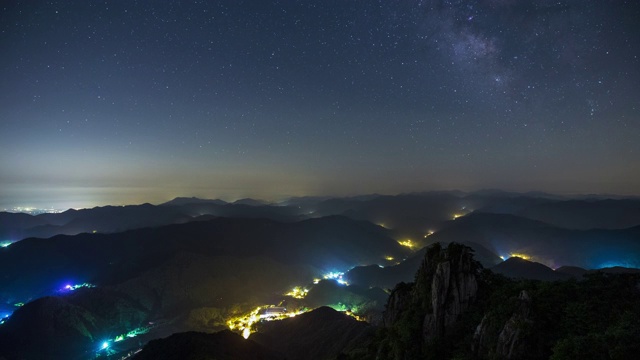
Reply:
x=552, y=246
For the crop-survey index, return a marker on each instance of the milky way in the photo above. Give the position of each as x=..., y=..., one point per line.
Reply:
x=124, y=102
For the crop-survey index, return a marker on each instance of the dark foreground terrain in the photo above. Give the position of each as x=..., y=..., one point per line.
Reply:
x=486, y=275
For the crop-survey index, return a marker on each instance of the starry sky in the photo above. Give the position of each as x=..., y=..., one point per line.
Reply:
x=119, y=102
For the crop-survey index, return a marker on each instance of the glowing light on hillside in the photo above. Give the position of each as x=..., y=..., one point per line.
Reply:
x=298, y=292
x=5, y=243
x=245, y=323
x=429, y=233
x=388, y=258
x=131, y=334
x=105, y=345
x=353, y=315
x=455, y=216
x=316, y=281
x=337, y=276
x=408, y=243
x=520, y=255
x=70, y=287
x=382, y=225
x=4, y=317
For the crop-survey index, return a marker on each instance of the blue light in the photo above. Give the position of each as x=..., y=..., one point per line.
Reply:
x=610, y=264
x=105, y=345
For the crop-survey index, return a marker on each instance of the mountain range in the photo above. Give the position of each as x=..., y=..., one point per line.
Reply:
x=74, y=281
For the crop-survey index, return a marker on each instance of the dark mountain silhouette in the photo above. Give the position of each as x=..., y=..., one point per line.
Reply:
x=103, y=219
x=506, y=234
x=60, y=327
x=574, y=271
x=616, y=270
x=366, y=302
x=417, y=213
x=410, y=215
x=587, y=214
x=199, y=262
x=579, y=273
x=190, y=281
x=320, y=334
x=186, y=285
x=12, y=225
x=109, y=219
x=181, y=201
x=519, y=268
x=250, y=202
x=223, y=345
x=33, y=267
x=278, y=213
x=387, y=277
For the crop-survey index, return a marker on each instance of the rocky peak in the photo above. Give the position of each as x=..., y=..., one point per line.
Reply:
x=511, y=342
x=512, y=339
x=453, y=288
x=444, y=288
x=399, y=301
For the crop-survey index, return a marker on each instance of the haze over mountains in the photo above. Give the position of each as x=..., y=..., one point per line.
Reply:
x=74, y=281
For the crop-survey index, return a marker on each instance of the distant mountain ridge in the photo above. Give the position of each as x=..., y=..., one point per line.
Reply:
x=330, y=244
x=409, y=214
x=506, y=234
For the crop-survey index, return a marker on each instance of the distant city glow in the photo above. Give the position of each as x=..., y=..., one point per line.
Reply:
x=33, y=210
x=105, y=345
x=5, y=243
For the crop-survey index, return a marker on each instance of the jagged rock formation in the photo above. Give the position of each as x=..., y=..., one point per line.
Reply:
x=420, y=313
x=398, y=303
x=510, y=342
x=453, y=289
x=455, y=310
x=495, y=338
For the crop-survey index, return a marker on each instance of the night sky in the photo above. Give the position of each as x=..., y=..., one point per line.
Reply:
x=114, y=102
